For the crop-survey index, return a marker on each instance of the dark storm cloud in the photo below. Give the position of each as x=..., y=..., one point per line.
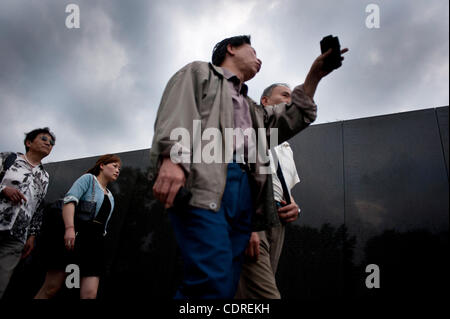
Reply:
x=98, y=87
x=385, y=69
x=87, y=82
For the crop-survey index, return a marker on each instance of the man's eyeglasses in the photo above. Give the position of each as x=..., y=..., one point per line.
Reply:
x=45, y=139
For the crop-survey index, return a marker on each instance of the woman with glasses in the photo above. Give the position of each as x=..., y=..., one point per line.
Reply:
x=83, y=240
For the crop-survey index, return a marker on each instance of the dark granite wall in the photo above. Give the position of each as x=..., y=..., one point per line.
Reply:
x=372, y=191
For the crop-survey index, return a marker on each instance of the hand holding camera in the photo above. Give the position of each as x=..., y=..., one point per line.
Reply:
x=334, y=59
x=329, y=60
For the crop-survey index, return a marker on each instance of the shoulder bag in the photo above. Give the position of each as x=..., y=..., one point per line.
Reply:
x=85, y=210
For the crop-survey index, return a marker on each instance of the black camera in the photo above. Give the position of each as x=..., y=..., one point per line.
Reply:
x=334, y=60
x=182, y=198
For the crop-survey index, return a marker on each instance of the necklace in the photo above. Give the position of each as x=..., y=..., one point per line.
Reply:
x=101, y=186
x=26, y=158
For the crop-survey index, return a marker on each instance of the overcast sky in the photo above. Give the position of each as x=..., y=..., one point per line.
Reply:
x=98, y=87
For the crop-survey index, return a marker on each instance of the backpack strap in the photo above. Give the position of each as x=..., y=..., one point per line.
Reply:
x=7, y=163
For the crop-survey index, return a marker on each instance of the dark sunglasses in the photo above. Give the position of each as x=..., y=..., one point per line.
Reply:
x=45, y=139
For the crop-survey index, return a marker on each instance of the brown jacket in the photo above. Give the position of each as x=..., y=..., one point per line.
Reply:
x=199, y=91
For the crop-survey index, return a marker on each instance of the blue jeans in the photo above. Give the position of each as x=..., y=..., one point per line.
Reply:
x=212, y=244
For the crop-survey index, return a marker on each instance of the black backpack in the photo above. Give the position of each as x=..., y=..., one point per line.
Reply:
x=7, y=163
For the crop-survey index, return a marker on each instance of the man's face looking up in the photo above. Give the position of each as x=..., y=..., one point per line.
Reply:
x=244, y=58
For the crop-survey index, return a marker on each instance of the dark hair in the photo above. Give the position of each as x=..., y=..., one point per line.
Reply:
x=220, y=49
x=105, y=160
x=30, y=136
x=268, y=90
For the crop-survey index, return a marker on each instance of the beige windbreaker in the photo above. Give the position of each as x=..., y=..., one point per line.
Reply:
x=199, y=91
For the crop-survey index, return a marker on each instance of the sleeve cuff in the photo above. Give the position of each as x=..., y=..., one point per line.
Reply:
x=69, y=199
x=306, y=103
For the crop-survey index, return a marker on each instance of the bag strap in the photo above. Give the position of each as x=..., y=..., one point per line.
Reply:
x=93, y=189
x=7, y=163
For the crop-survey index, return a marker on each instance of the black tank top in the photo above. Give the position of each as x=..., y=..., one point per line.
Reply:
x=104, y=211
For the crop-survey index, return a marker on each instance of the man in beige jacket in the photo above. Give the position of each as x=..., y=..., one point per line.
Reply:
x=231, y=195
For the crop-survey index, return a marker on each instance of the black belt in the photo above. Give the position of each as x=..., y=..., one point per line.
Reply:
x=245, y=166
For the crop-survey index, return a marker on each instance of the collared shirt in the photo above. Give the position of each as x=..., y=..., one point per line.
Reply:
x=25, y=217
x=242, y=118
x=286, y=161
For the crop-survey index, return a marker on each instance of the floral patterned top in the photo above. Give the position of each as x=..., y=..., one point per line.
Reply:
x=23, y=219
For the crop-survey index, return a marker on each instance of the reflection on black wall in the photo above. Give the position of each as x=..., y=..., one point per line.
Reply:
x=314, y=262
x=372, y=191
x=413, y=262
x=142, y=256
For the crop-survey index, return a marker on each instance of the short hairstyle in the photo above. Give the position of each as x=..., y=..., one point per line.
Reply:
x=30, y=136
x=105, y=160
x=268, y=90
x=220, y=49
